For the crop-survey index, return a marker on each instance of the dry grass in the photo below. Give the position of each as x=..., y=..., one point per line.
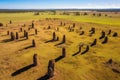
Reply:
x=89, y=66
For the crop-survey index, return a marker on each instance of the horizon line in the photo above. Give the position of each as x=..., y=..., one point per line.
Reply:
x=53, y=8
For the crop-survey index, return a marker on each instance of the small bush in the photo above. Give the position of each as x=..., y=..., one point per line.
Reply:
x=36, y=13
x=85, y=13
x=94, y=14
x=99, y=14
x=76, y=13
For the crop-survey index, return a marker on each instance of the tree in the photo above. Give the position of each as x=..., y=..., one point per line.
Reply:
x=36, y=13
x=105, y=14
x=94, y=14
x=85, y=13
x=77, y=13
x=99, y=14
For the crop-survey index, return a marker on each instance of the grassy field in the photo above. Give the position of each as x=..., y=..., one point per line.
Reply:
x=111, y=19
x=89, y=66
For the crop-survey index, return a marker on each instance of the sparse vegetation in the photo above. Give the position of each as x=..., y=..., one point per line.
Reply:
x=36, y=13
x=77, y=13
x=70, y=51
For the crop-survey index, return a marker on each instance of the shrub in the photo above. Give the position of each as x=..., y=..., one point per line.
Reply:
x=77, y=13
x=99, y=14
x=106, y=15
x=85, y=13
x=36, y=13
x=94, y=14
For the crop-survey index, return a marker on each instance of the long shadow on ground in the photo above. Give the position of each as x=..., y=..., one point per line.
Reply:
x=59, y=43
x=6, y=40
x=22, y=70
x=58, y=58
x=22, y=39
x=76, y=53
x=29, y=47
x=50, y=41
x=45, y=77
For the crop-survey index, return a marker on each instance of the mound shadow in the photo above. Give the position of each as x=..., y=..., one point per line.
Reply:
x=59, y=43
x=22, y=39
x=45, y=77
x=31, y=46
x=116, y=71
x=86, y=50
x=50, y=41
x=22, y=70
x=6, y=40
x=58, y=58
x=76, y=53
x=4, y=35
x=31, y=34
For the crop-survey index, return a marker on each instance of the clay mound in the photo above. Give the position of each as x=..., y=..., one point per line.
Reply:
x=113, y=65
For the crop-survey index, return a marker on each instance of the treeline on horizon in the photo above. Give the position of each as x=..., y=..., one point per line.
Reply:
x=52, y=10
